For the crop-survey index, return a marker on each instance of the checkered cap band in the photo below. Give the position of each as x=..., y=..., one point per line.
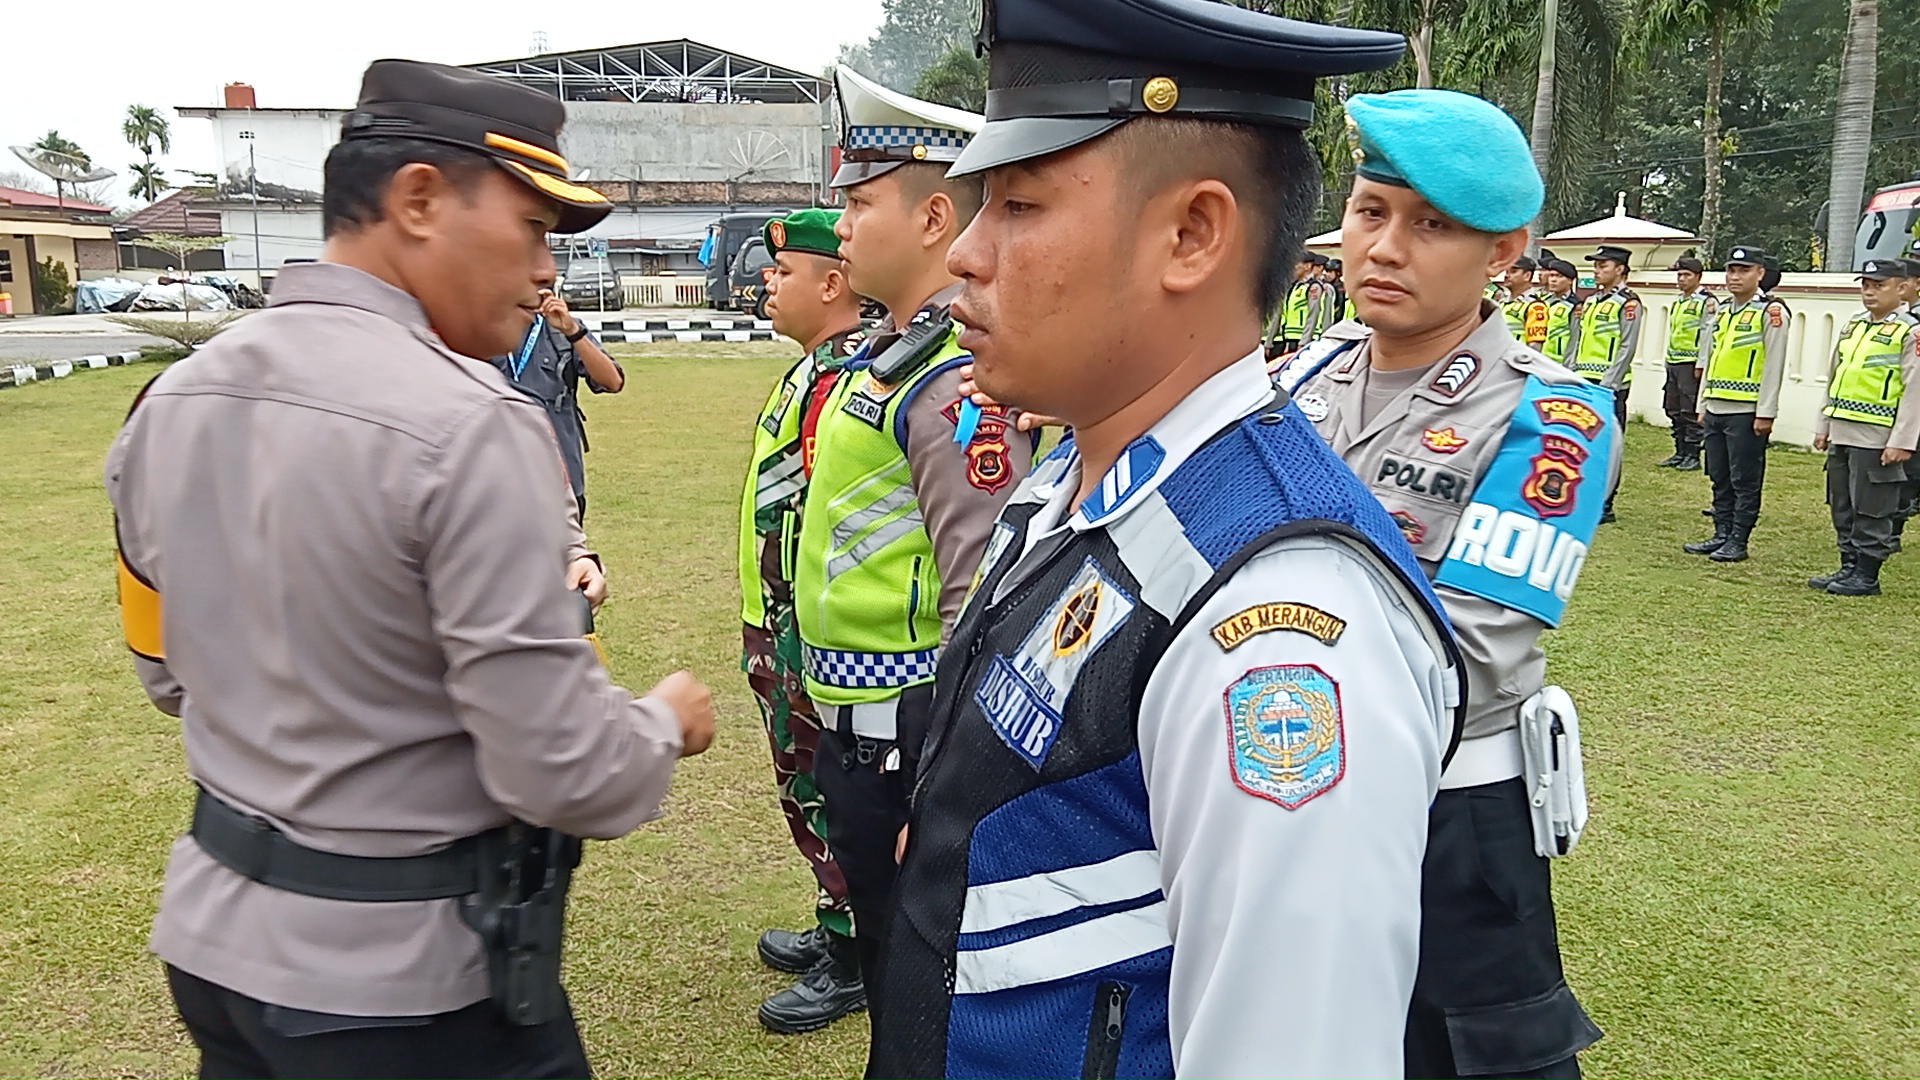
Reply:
x=867, y=136
x=864, y=671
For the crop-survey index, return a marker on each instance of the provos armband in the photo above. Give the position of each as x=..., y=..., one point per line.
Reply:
x=1523, y=539
x=140, y=612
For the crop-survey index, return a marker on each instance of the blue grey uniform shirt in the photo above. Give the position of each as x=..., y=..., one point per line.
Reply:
x=551, y=375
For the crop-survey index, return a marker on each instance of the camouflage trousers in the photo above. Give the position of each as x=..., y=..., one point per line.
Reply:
x=771, y=660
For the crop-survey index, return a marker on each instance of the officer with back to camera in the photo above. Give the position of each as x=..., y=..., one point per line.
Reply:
x=1171, y=812
x=1495, y=462
x=342, y=544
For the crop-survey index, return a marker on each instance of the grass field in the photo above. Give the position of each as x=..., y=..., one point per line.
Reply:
x=1743, y=904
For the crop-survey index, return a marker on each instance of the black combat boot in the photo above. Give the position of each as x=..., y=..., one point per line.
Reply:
x=1863, y=580
x=1689, y=463
x=1735, y=547
x=1674, y=460
x=1711, y=544
x=1847, y=561
x=794, y=952
x=829, y=991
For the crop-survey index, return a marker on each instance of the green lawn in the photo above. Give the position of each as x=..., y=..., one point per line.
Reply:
x=1744, y=901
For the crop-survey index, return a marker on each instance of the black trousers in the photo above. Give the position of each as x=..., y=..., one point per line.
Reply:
x=1681, y=402
x=1737, y=465
x=1620, y=418
x=866, y=809
x=239, y=1036
x=1864, y=496
x=1490, y=998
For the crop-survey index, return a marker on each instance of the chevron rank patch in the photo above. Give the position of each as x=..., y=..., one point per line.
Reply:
x=1456, y=374
x=1287, y=740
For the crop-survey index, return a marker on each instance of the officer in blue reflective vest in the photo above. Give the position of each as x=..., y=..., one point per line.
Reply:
x=1496, y=462
x=1173, y=803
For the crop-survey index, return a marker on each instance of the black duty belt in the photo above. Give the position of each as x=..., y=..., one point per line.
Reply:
x=253, y=848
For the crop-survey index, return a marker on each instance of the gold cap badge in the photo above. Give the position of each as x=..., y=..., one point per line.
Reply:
x=920, y=152
x=1161, y=94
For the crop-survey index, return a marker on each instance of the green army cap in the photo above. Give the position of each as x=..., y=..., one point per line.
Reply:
x=810, y=231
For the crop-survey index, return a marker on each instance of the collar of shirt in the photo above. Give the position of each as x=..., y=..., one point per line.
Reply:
x=347, y=286
x=1232, y=394
x=940, y=299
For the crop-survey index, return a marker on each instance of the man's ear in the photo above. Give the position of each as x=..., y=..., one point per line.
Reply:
x=833, y=285
x=1507, y=247
x=937, y=218
x=416, y=199
x=1204, y=226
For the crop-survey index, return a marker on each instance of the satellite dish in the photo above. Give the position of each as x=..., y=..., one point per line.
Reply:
x=60, y=168
x=756, y=151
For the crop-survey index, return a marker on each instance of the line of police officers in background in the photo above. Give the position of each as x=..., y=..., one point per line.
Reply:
x=1725, y=360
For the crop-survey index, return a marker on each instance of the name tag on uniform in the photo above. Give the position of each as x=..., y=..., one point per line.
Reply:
x=1523, y=540
x=1023, y=694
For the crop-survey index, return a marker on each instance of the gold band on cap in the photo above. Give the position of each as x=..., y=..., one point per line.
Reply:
x=1160, y=94
x=537, y=153
x=564, y=190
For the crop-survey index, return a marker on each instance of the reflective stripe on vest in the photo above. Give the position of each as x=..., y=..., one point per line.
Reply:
x=775, y=475
x=1868, y=383
x=1599, y=335
x=1683, y=330
x=1739, y=348
x=1559, y=328
x=866, y=585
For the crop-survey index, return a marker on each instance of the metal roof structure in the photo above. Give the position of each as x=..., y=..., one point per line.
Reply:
x=682, y=71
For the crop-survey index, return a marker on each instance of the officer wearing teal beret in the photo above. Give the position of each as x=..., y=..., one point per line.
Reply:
x=1495, y=461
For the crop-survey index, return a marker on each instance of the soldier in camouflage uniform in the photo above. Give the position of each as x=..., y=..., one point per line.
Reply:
x=809, y=301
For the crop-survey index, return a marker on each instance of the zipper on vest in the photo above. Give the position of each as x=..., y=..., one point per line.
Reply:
x=1104, y=1033
x=1887, y=388
x=913, y=600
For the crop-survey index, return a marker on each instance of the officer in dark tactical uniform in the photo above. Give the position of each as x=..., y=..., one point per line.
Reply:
x=1172, y=806
x=557, y=354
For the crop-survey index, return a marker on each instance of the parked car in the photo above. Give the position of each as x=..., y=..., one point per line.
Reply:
x=751, y=269
x=593, y=290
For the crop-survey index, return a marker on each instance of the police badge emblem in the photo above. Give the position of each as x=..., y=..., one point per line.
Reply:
x=1287, y=738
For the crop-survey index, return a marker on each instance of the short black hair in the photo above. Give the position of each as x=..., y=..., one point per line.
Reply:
x=358, y=172
x=1270, y=170
x=920, y=180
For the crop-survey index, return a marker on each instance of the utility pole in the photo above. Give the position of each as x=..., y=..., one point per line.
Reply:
x=253, y=192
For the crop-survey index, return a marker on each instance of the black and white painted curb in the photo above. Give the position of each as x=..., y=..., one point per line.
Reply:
x=22, y=374
x=645, y=331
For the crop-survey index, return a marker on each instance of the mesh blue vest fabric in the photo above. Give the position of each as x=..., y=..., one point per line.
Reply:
x=1286, y=472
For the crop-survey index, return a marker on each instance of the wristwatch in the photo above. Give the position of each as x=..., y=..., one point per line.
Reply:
x=577, y=334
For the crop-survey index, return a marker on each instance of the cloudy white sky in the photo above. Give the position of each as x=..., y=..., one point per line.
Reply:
x=76, y=68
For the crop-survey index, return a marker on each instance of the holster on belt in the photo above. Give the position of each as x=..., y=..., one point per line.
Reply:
x=520, y=913
x=1555, y=776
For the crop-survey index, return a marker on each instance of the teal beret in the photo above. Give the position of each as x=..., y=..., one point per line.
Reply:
x=1461, y=153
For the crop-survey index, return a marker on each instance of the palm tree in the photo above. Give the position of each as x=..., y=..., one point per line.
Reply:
x=1675, y=21
x=1852, y=131
x=144, y=129
x=54, y=143
x=149, y=180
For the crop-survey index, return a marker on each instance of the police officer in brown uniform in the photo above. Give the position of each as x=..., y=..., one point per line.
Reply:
x=347, y=554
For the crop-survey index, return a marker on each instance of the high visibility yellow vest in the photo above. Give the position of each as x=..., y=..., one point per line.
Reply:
x=1293, y=314
x=776, y=477
x=1684, y=329
x=866, y=587
x=1739, y=352
x=1868, y=382
x=1515, y=312
x=1600, y=329
x=1559, y=328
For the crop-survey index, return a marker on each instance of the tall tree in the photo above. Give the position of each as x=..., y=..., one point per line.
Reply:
x=958, y=78
x=1852, y=131
x=913, y=35
x=145, y=129
x=149, y=180
x=55, y=143
x=1670, y=21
